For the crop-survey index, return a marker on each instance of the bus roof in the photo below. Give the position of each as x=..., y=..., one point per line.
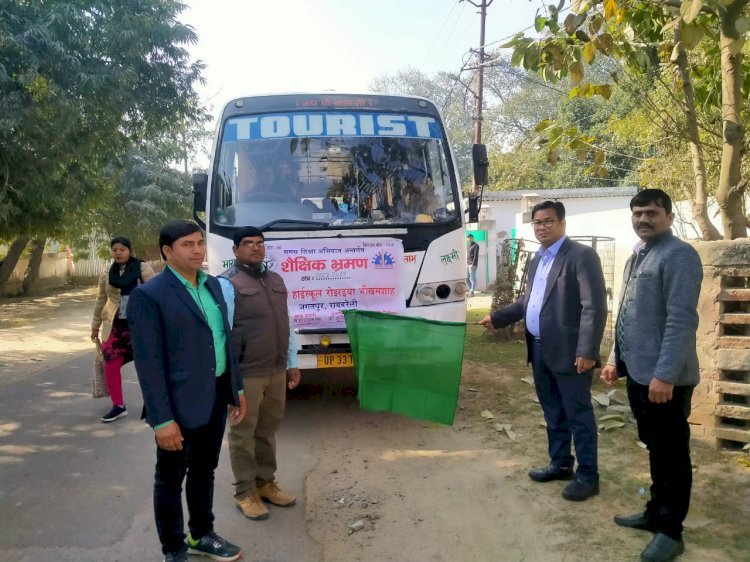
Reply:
x=328, y=101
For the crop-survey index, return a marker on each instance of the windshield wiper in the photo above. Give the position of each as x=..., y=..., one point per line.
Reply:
x=291, y=222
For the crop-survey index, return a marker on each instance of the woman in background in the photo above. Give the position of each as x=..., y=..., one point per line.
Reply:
x=115, y=285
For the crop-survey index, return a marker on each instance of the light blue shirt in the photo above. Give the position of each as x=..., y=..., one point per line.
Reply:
x=227, y=290
x=536, y=299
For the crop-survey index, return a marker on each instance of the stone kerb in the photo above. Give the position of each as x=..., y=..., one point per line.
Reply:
x=721, y=401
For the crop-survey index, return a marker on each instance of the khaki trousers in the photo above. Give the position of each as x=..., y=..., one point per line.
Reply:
x=252, y=442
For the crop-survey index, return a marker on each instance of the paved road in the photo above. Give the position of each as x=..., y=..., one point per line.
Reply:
x=74, y=489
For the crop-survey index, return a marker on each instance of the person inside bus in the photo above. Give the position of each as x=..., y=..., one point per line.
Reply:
x=263, y=179
x=346, y=203
x=334, y=204
x=255, y=181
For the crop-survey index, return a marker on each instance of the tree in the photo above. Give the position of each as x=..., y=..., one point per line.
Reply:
x=81, y=83
x=516, y=100
x=532, y=121
x=148, y=193
x=645, y=36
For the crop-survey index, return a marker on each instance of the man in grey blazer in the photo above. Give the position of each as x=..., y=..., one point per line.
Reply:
x=565, y=310
x=655, y=350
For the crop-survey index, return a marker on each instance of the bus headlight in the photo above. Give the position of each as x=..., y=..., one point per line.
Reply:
x=437, y=293
x=426, y=294
x=460, y=288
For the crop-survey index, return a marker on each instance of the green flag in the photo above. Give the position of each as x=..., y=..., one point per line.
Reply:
x=408, y=366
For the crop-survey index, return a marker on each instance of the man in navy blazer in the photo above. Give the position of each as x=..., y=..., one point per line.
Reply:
x=655, y=349
x=565, y=310
x=188, y=376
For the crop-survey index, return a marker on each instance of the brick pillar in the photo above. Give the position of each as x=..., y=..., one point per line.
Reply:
x=721, y=402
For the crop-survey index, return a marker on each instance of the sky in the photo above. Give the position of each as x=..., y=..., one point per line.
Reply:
x=264, y=46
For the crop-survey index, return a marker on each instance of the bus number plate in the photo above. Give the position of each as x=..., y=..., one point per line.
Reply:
x=328, y=360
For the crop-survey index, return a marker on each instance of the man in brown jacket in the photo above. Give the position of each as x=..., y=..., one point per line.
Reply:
x=263, y=343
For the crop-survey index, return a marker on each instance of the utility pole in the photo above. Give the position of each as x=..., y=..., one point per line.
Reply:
x=479, y=95
x=483, y=5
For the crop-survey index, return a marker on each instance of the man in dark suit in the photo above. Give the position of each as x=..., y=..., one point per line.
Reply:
x=655, y=350
x=188, y=376
x=565, y=310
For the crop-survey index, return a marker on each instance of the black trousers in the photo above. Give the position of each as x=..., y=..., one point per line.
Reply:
x=665, y=431
x=566, y=402
x=198, y=459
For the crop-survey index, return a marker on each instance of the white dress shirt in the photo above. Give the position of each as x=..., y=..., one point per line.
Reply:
x=536, y=299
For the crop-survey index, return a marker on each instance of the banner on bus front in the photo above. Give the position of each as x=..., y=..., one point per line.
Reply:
x=326, y=276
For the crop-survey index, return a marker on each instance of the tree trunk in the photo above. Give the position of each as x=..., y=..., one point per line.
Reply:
x=11, y=260
x=700, y=208
x=31, y=275
x=730, y=194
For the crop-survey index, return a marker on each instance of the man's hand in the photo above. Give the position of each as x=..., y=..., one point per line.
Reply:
x=95, y=336
x=169, y=437
x=294, y=376
x=659, y=392
x=584, y=364
x=237, y=413
x=609, y=374
x=487, y=322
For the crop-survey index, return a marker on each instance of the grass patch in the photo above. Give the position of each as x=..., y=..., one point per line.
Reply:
x=478, y=347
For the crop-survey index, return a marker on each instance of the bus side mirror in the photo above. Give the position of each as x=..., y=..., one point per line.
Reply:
x=473, y=208
x=200, y=187
x=481, y=164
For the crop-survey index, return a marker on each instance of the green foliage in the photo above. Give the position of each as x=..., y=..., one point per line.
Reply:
x=555, y=141
x=640, y=38
x=148, y=194
x=80, y=83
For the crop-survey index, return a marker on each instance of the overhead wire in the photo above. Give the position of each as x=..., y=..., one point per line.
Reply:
x=448, y=39
x=437, y=35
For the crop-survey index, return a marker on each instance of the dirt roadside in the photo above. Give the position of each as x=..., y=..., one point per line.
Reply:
x=424, y=492
x=45, y=331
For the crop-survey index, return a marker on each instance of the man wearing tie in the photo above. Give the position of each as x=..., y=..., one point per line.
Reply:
x=565, y=309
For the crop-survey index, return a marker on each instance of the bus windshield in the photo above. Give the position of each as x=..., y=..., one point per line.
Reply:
x=332, y=181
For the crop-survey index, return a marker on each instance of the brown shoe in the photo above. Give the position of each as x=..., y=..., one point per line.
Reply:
x=272, y=493
x=252, y=507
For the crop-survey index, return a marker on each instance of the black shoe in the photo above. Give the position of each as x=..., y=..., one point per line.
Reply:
x=662, y=549
x=636, y=521
x=549, y=473
x=176, y=557
x=114, y=413
x=213, y=546
x=578, y=490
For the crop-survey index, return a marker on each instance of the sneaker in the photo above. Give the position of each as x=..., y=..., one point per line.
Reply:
x=213, y=546
x=271, y=492
x=252, y=507
x=176, y=557
x=114, y=413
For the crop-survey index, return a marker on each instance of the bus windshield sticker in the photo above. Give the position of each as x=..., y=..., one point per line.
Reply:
x=336, y=124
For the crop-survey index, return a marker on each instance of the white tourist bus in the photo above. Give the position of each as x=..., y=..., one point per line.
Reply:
x=359, y=201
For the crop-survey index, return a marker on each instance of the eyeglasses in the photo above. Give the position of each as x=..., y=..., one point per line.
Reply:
x=252, y=244
x=546, y=223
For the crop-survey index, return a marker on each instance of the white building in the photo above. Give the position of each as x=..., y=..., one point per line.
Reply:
x=602, y=212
